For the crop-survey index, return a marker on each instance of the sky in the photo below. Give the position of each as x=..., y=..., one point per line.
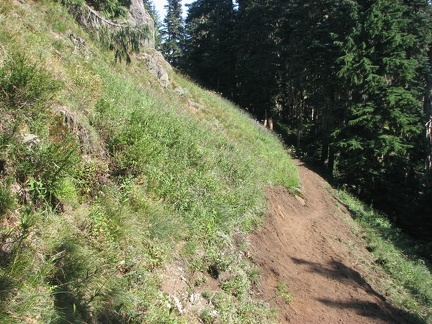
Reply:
x=159, y=4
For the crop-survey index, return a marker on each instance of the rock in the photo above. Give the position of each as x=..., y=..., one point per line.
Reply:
x=300, y=200
x=159, y=58
x=156, y=69
x=31, y=140
x=178, y=304
x=194, y=104
x=180, y=91
x=138, y=16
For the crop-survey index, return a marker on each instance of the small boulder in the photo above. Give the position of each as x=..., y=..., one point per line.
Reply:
x=31, y=140
x=156, y=69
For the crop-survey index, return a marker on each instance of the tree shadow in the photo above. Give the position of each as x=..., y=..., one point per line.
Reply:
x=372, y=310
x=413, y=248
x=336, y=270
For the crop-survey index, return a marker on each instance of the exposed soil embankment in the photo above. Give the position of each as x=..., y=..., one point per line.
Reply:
x=308, y=244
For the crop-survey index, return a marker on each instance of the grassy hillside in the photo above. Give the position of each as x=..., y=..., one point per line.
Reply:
x=404, y=264
x=109, y=183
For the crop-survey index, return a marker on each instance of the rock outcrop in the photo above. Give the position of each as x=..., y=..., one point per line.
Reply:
x=138, y=16
x=153, y=60
x=141, y=22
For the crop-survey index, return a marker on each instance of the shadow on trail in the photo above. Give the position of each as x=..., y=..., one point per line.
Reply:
x=336, y=270
x=417, y=250
x=372, y=310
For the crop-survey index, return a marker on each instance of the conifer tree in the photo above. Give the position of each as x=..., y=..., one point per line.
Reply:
x=419, y=14
x=150, y=7
x=353, y=77
x=209, y=44
x=376, y=142
x=173, y=33
x=257, y=57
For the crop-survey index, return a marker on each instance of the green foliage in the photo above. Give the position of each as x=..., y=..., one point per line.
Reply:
x=123, y=39
x=173, y=33
x=90, y=177
x=283, y=292
x=7, y=200
x=40, y=169
x=376, y=144
x=25, y=91
x=113, y=8
x=350, y=79
x=209, y=56
x=23, y=84
x=407, y=261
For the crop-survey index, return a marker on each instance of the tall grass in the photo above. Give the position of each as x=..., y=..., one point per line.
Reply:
x=127, y=179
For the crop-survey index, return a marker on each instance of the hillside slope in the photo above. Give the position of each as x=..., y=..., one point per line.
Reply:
x=110, y=178
x=129, y=195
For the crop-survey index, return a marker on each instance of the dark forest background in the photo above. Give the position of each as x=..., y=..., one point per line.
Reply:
x=346, y=83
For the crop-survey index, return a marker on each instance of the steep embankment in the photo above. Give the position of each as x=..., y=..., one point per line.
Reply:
x=110, y=173
x=308, y=244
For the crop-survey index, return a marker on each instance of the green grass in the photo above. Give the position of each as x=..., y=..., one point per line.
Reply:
x=128, y=179
x=406, y=261
x=283, y=292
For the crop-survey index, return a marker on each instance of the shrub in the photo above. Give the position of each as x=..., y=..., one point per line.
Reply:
x=41, y=169
x=25, y=91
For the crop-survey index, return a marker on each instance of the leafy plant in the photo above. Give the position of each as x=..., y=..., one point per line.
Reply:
x=42, y=168
x=164, y=180
x=283, y=292
x=120, y=38
x=114, y=8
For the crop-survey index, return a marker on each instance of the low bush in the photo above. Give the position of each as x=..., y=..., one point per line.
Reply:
x=26, y=91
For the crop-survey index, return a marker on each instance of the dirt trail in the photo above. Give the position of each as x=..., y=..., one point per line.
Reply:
x=306, y=244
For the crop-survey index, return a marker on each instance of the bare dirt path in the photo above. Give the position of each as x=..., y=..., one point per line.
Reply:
x=307, y=244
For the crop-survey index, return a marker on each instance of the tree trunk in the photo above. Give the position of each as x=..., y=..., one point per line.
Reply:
x=331, y=160
x=299, y=132
x=427, y=104
x=324, y=152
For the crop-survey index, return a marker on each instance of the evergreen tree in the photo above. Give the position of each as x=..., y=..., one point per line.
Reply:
x=309, y=92
x=257, y=53
x=173, y=33
x=112, y=8
x=149, y=6
x=354, y=78
x=377, y=141
x=419, y=220
x=209, y=44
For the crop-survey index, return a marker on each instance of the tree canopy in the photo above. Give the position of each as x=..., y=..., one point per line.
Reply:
x=173, y=32
x=347, y=82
